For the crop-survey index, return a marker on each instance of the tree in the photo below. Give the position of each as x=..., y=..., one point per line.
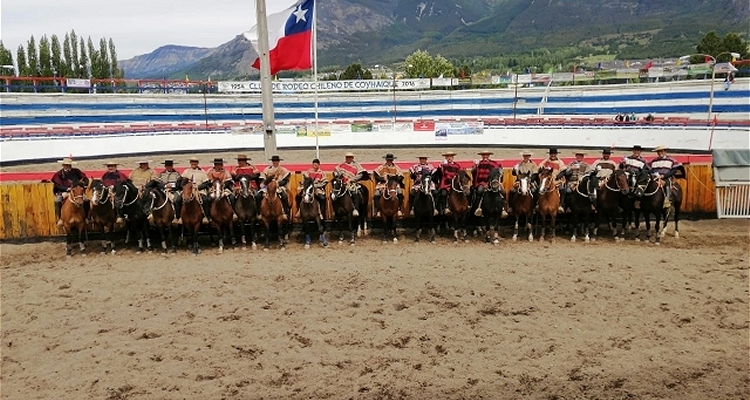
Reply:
x=57, y=63
x=421, y=65
x=355, y=71
x=74, y=60
x=83, y=62
x=6, y=58
x=116, y=73
x=733, y=43
x=45, y=57
x=67, y=69
x=32, y=58
x=104, y=69
x=23, y=65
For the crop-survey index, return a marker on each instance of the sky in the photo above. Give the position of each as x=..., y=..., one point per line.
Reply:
x=136, y=26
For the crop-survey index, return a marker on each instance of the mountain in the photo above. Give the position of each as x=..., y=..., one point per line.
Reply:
x=386, y=31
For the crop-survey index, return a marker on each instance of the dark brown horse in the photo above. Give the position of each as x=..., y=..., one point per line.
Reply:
x=160, y=212
x=521, y=203
x=388, y=206
x=245, y=209
x=73, y=216
x=424, y=207
x=492, y=203
x=103, y=213
x=222, y=212
x=192, y=211
x=343, y=208
x=608, y=200
x=271, y=213
x=131, y=203
x=582, y=201
x=652, y=202
x=309, y=210
x=675, y=203
x=549, y=201
x=458, y=203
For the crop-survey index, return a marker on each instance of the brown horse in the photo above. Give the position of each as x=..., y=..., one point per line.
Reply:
x=458, y=203
x=245, y=209
x=192, y=211
x=222, y=212
x=675, y=203
x=522, y=204
x=343, y=208
x=549, y=201
x=272, y=211
x=161, y=212
x=73, y=216
x=103, y=213
x=388, y=205
x=309, y=210
x=608, y=200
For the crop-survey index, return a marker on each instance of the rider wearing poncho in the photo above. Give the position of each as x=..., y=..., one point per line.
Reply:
x=351, y=172
x=110, y=179
x=279, y=173
x=637, y=166
x=480, y=174
x=63, y=180
x=573, y=174
x=447, y=171
x=198, y=177
x=169, y=178
x=244, y=168
x=526, y=166
x=665, y=167
x=604, y=166
x=417, y=173
x=142, y=175
x=219, y=173
x=382, y=174
x=320, y=181
x=556, y=165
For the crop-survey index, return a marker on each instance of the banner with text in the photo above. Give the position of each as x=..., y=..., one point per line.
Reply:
x=327, y=86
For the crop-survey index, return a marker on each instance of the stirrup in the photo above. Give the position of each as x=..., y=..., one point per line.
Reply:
x=177, y=221
x=447, y=211
x=119, y=220
x=204, y=220
x=150, y=218
x=560, y=210
x=284, y=217
x=355, y=213
x=503, y=214
x=478, y=212
x=435, y=212
x=377, y=214
x=411, y=212
x=510, y=210
x=399, y=213
x=59, y=222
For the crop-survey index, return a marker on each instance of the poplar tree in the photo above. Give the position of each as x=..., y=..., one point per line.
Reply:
x=32, y=58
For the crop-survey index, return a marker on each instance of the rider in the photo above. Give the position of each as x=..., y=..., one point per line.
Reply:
x=417, y=173
x=556, y=165
x=198, y=177
x=111, y=178
x=244, y=168
x=142, y=175
x=63, y=180
x=382, y=174
x=481, y=177
x=319, y=183
x=665, y=167
x=573, y=174
x=604, y=166
x=218, y=172
x=281, y=175
x=526, y=166
x=448, y=169
x=637, y=165
x=169, y=178
x=351, y=172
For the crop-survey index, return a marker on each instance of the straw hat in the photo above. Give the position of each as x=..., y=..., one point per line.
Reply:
x=144, y=161
x=581, y=152
x=111, y=162
x=485, y=153
x=422, y=156
x=194, y=159
x=449, y=153
x=660, y=148
x=67, y=161
x=349, y=154
x=242, y=157
x=526, y=153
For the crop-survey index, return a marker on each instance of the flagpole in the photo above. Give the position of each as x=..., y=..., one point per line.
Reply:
x=266, y=89
x=315, y=75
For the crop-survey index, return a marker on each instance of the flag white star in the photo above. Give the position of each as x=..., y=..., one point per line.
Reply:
x=300, y=14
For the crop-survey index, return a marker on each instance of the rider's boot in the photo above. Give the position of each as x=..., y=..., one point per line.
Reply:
x=177, y=210
x=561, y=207
x=206, y=206
x=322, y=208
x=400, y=214
x=376, y=200
x=120, y=219
x=58, y=211
x=478, y=203
x=411, y=204
x=285, y=206
x=298, y=200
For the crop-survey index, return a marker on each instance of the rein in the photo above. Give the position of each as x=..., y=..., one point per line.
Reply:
x=153, y=199
x=126, y=196
x=453, y=185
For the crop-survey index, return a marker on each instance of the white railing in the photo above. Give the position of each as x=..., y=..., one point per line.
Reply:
x=733, y=201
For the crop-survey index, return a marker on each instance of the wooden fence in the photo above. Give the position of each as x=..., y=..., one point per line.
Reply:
x=27, y=209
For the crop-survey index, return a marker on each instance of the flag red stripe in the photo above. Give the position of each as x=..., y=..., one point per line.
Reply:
x=291, y=53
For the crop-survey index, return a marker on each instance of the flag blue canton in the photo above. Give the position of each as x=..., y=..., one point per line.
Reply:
x=301, y=19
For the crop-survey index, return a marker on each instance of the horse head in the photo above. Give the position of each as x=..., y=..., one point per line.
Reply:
x=461, y=183
x=338, y=189
x=592, y=185
x=217, y=189
x=271, y=188
x=76, y=194
x=546, y=181
x=621, y=181
x=125, y=193
x=97, y=192
x=244, y=186
x=495, y=180
x=308, y=190
x=524, y=183
x=426, y=182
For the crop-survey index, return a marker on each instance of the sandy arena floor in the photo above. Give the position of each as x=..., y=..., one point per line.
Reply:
x=559, y=320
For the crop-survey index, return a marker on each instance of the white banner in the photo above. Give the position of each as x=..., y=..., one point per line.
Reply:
x=443, y=82
x=327, y=86
x=78, y=83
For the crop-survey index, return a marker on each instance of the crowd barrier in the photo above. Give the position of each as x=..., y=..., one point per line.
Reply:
x=27, y=209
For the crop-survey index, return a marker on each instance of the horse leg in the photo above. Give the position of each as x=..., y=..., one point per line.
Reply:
x=573, y=221
x=283, y=232
x=553, y=220
x=170, y=235
x=657, y=232
x=418, y=231
x=529, y=228
x=586, y=222
x=220, y=235
x=81, y=241
x=196, y=246
x=676, y=219
x=543, y=225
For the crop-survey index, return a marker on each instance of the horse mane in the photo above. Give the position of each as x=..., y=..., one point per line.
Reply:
x=153, y=184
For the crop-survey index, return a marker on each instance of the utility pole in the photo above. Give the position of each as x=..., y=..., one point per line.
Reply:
x=269, y=136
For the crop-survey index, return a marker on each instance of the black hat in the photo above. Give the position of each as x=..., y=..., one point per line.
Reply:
x=276, y=158
x=168, y=162
x=218, y=161
x=637, y=147
x=316, y=161
x=607, y=151
x=389, y=156
x=552, y=150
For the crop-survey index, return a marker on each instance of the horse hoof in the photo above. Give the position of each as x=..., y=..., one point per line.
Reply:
x=495, y=241
x=637, y=239
x=657, y=243
x=515, y=238
x=573, y=239
x=587, y=240
x=254, y=246
x=265, y=249
x=676, y=235
x=395, y=240
x=307, y=246
x=283, y=248
x=385, y=241
x=325, y=244
x=531, y=238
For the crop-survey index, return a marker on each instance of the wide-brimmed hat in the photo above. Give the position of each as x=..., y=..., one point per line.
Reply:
x=276, y=158
x=422, y=156
x=111, y=162
x=449, y=153
x=607, y=151
x=191, y=159
x=661, y=148
x=218, y=160
x=315, y=161
x=242, y=157
x=581, y=152
x=67, y=161
x=526, y=153
x=552, y=150
x=485, y=153
x=637, y=147
x=349, y=154
x=145, y=161
x=390, y=156
x=168, y=162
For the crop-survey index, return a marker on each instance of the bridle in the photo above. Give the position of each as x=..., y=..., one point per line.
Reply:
x=125, y=197
x=460, y=188
x=390, y=189
x=153, y=199
x=97, y=197
x=494, y=184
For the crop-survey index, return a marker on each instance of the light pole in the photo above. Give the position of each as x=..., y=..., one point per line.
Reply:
x=711, y=95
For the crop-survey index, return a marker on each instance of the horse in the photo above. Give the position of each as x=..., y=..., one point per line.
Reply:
x=582, y=200
x=492, y=205
x=245, y=209
x=103, y=213
x=388, y=206
x=608, y=199
x=160, y=212
x=549, y=201
x=192, y=210
x=361, y=198
x=675, y=203
x=458, y=203
x=272, y=211
x=73, y=216
x=309, y=211
x=522, y=204
x=222, y=212
x=128, y=200
x=652, y=202
x=424, y=208
x=343, y=208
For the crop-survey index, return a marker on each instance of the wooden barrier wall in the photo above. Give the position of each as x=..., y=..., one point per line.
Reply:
x=28, y=211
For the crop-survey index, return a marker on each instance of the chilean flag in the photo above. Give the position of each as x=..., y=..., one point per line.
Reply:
x=289, y=38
